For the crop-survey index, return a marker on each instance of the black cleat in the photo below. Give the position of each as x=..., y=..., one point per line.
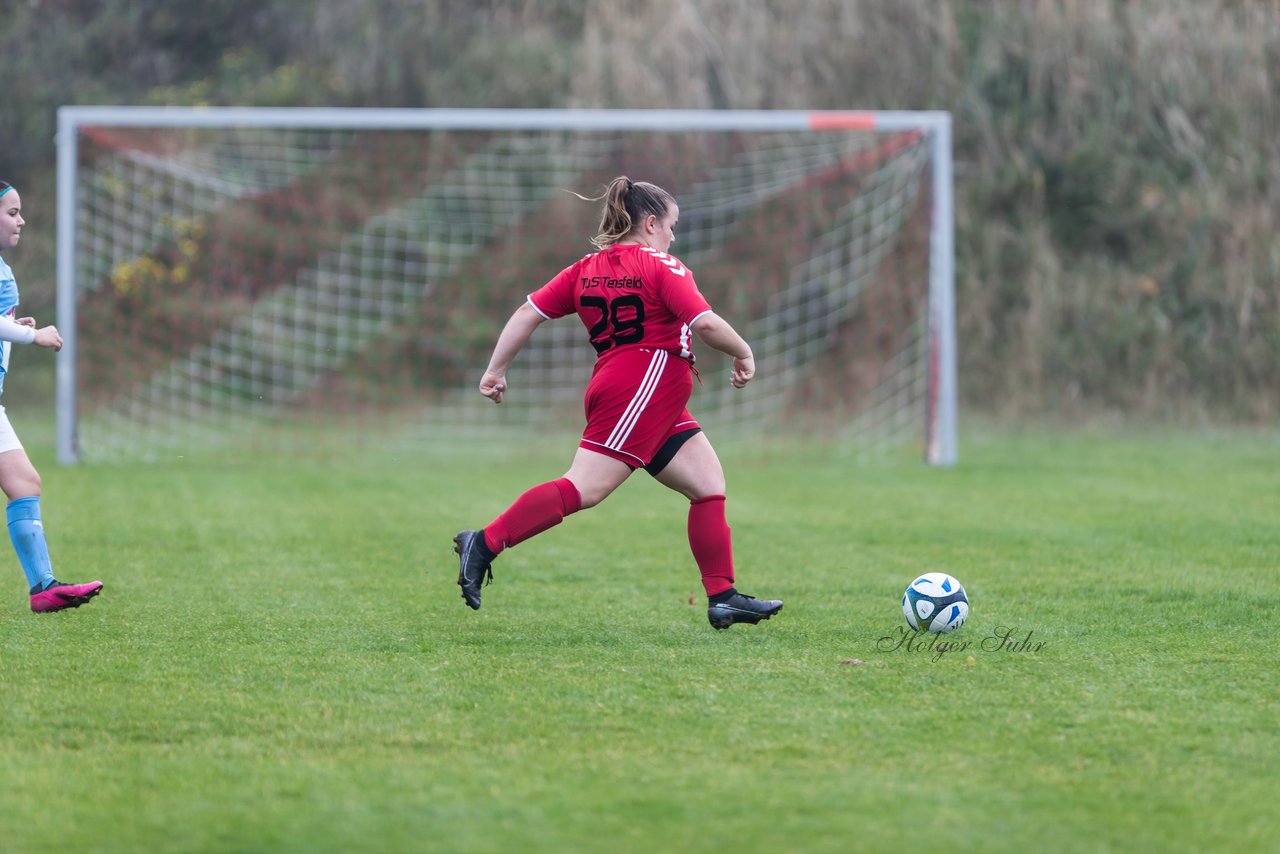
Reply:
x=741, y=609
x=474, y=565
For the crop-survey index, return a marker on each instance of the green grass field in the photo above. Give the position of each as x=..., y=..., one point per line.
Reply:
x=281, y=660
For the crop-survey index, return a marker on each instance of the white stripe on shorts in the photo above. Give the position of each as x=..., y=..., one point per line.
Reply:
x=635, y=408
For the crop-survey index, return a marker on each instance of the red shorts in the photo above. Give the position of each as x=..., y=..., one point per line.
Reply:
x=636, y=400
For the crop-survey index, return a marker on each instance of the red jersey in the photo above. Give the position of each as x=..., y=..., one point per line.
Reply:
x=628, y=296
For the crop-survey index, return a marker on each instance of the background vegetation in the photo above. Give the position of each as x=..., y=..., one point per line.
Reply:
x=1118, y=161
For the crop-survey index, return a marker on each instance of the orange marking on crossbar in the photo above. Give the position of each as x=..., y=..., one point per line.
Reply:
x=842, y=121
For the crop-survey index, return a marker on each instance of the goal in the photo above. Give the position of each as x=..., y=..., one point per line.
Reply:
x=281, y=279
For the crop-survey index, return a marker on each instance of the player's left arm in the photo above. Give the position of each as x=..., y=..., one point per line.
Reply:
x=514, y=336
x=716, y=332
x=681, y=294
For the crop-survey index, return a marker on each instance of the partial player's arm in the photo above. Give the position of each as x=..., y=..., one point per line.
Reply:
x=714, y=331
x=513, y=337
x=23, y=331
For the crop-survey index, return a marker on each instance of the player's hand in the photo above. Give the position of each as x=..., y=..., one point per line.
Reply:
x=493, y=385
x=26, y=321
x=48, y=337
x=743, y=371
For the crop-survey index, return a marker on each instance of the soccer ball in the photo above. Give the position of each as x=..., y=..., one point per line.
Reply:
x=935, y=602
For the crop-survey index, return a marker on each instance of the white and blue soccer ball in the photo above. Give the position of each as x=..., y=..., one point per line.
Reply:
x=935, y=602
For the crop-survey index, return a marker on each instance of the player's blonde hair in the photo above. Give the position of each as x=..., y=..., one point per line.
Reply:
x=626, y=204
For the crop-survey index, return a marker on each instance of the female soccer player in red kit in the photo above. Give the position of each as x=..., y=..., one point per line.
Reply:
x=640, y=306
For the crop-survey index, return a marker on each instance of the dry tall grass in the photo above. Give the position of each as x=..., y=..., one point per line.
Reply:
x=1118, y=161
x=1118, y=170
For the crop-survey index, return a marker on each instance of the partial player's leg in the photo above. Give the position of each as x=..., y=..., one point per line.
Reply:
x=596, y=475
x=21, y=485
x=695, y=472
x=590, y=479
x=631, y=403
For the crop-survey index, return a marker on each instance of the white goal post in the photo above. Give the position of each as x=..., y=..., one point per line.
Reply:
x=225, y=274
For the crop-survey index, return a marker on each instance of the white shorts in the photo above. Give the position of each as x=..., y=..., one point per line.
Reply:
x=8, y=438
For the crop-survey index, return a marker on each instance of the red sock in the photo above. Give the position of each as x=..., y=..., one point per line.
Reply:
x=711, y=542
x=542, y=507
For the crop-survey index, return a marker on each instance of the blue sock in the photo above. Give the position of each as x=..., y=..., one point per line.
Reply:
x=27, y=533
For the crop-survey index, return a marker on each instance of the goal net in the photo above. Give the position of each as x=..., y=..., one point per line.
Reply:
x=287, y=279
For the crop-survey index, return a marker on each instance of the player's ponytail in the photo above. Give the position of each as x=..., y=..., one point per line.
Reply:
x=626, y=203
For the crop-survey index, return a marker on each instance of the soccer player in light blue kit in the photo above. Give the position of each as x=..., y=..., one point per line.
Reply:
x=18, y=477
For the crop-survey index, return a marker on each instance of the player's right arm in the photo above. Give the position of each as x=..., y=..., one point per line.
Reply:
x=714, y=331
x=514, y=336
x=552, y=300
x=24, y=331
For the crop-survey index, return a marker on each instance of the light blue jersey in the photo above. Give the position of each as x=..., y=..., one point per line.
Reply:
x=8, y=307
